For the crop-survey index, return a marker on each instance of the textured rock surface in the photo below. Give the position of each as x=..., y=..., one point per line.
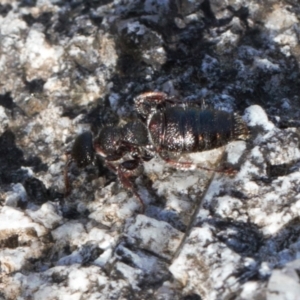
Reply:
x=71, y=66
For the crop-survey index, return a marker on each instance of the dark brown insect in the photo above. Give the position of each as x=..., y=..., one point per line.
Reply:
x=166, y=125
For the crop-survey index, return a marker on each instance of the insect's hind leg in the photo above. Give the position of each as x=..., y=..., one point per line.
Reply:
x=191, y=166
x=147, y=102
x=151, y=98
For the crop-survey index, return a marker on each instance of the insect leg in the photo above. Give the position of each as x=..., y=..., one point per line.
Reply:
x=151, y=97
x=154, y=99
x=127, y=171
x=149, y=101
x=191, y=166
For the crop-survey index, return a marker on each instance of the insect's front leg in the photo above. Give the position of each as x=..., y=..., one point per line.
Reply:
x=127, y=172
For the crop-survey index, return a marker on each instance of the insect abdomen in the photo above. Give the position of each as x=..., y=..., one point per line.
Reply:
x=179, y=129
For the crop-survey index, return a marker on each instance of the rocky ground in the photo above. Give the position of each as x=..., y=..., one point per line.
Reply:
x=71, y=66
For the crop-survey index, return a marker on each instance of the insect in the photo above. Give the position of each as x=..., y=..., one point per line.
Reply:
x=165, y=125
